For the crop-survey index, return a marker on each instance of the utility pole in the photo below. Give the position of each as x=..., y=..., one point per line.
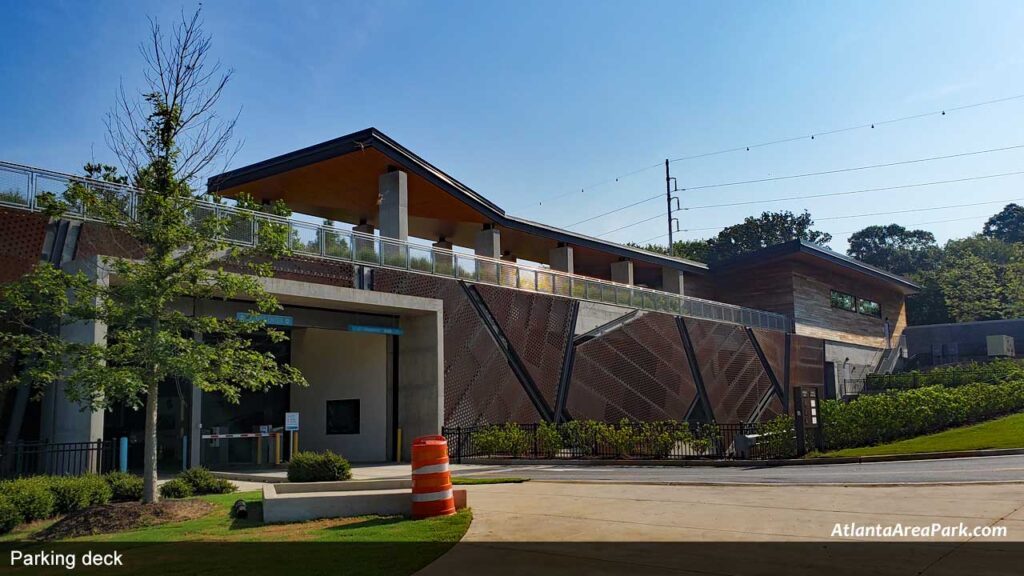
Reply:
x=668, y=204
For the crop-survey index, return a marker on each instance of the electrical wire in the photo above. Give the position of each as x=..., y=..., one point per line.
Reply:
x=811, y=136
x=822, y=195
x=803, y=175
x=848, y=216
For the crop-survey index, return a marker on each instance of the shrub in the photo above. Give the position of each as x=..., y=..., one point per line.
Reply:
x=549, y=440
x=176, y=488
x=896, y=414
x=318, y=467
x=621, y=439
x=707, y=438
x=581, y=436
x=124, y=487
x=509, y=440
x=74, y=493
x=202, y=481
x=9, y=516
x=779, y=438
x=31, y=497
x=994, y=372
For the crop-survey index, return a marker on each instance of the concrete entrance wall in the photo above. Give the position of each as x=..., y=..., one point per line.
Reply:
x=342, y=366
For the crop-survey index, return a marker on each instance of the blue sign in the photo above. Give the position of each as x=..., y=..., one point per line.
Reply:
x=375, y=329
x=268, y=319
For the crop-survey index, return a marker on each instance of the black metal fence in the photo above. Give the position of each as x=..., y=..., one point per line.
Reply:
x=635, y=440
x=61, y=459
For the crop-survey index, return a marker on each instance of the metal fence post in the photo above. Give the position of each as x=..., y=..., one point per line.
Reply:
x=122, y=454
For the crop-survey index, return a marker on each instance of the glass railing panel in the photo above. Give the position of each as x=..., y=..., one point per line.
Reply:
x=394, y=254
x=367, y=249
x=466, y=267
x=545, y=283
x=421, y=259
x=14, y=188
x=509, y=275
x=337, y=244
x=488, y=272
x=304, y=239
x=561, y=285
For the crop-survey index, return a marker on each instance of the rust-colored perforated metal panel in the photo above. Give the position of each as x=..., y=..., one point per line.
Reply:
x=96, y=239
x=637, y=371
x=773, y=344
x=21, y=242
x=479, y=386
x=733, y=376
x=537, y=327
x=806, y=361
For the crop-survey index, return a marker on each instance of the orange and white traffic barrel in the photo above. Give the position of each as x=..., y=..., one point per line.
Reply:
x=432, y=493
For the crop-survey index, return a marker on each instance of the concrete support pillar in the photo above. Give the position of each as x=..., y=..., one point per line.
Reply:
x=488, y=242
x=671, y=280
x=394, y=205
x=622, y=272
x=444, y=263
x=363, y=248
x=63, y=420
x=561, y=259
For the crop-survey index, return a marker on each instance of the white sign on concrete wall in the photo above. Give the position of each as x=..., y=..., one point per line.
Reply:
x=291, y=421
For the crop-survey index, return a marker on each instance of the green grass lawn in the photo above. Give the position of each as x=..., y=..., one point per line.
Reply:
x=1006, y=432
x=469, y=480
x=215, y=542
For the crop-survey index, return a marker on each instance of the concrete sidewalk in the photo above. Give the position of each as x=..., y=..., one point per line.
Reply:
x=534, y=524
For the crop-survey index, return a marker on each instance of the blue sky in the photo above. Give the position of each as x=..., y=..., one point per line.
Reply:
x=531, y=102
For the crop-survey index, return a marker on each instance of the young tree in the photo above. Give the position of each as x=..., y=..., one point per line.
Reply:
x=894, y=248
x=174, y=252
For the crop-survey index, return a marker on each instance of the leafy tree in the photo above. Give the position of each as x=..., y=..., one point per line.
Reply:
x=1007, y=225
x=971, y=288
x=894, y=248
x=165, y=141
x=769, y=229
x=929, y=305
x=697, y=250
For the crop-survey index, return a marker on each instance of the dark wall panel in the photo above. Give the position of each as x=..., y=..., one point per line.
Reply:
x=21, y=242
x=637, y=371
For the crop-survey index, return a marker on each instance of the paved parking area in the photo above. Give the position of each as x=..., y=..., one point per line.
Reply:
x=579, y=528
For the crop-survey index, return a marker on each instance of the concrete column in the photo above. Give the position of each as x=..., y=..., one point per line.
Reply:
x=444, y=263
x=63, y=420
x=420, y=377
x=561, y=259
x=363, y=248
x=622, y=272
x=394, y=205
x=488, y=242
x=671, y=280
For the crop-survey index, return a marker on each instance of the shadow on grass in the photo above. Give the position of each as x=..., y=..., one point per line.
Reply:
x=254, y=519
x=370, y=523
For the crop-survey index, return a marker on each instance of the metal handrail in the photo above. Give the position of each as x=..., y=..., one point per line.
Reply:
x=327, y=242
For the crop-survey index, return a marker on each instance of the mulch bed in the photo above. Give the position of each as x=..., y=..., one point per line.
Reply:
x=122, y=516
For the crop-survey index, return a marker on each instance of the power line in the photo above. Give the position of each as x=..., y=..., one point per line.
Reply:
x=804, y=175
x=811, y=136
x=923, y=223
x=859, y=215
x=822, y=195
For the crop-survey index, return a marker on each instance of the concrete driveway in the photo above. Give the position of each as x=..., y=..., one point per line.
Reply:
x=544, y=527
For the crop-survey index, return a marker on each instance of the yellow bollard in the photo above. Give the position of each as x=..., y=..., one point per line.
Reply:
x=259, y=450
x=398, y=445
x=277, y=448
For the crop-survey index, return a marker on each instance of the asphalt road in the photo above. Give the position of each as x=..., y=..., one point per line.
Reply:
x=954, y=470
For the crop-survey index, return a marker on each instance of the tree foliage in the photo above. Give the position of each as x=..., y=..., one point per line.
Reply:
x=1007, y=225
x=894, y=248
x=178, y=255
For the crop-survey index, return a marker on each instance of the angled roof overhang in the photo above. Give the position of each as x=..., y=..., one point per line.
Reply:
x=337, y=180
x=814, y=254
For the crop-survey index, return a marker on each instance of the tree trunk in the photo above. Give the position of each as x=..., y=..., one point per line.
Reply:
x=149, y=491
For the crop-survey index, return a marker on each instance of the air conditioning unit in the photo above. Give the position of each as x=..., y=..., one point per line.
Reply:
x=1000, y=345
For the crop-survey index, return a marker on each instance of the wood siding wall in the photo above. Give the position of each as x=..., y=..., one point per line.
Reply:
x=815, y=316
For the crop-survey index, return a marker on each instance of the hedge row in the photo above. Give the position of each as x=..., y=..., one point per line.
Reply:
x=318, y=467
x=898, y=414
x=627, y=439
x=41, y=497
x=994, y=372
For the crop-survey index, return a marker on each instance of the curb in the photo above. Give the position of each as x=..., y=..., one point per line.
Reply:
x=820, y=461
